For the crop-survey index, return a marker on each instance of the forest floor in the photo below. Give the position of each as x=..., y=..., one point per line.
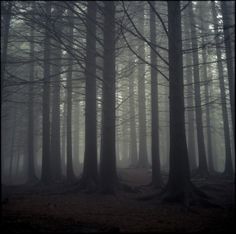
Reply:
x=57, y=210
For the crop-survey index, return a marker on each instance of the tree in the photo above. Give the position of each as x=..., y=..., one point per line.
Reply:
x=69, y=166
x=202, y=168
x=46, y=162
x=31, y=171
x=156, y=173
x=229, y=58
x=56, y=53
x=228, y=161
x=190, y=101
x=90, y=173
x=178, y=184
x=107, y=172
x=6, y=12
x=143, y=159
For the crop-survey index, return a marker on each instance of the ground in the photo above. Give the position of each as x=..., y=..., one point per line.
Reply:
x=66, y=211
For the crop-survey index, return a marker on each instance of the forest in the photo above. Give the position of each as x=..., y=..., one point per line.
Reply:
x=117, y=116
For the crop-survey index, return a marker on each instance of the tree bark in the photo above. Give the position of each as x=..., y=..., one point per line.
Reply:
x=108, y=154
x=156, y=168
x=55, y=123
x=90, y=172
x=46, y=167
x=143, y=159
x=179, y=175
x=69, y=166
x=229, y=58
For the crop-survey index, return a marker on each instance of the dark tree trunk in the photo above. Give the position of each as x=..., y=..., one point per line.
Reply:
x=90, y=172
x=69, y=166
x=156, y=173
x=31, y=168
x=179, y=175
x=228, y=161
x=190, y=101
x=203, y=169
x=55, y=123
x=46, y=168
x=108, y=154
x=6, y=11
x=143, y=159
x=229, y=57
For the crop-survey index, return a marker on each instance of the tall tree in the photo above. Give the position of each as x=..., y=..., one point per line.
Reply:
x=229, y=58
x=190, y=101
x=31, y=149
x=108, y=154
x=156, y=173
x=179, y=175
x=228, y=161
x=69, y=166
x=46, y=168
x=133, y=154
x=202, y=169
x=143, y=158
x=90, y=173
x=6, y=13
x=56, y=70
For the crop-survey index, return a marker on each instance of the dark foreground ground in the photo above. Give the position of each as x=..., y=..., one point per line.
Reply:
x=42, y=210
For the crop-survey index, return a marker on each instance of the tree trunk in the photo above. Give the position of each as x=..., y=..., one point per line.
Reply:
x=190, y=101
x=228, y=160
x=6, y=11
x=156, y=173
x=90, y=172
x=203, y=169
x=143, y=159
x=229, y=58
x=46, y=167
x=133, y=154
x=108, y=154
x=55, y=123
x=31, y=168
x=179, y=176
x=69, y=166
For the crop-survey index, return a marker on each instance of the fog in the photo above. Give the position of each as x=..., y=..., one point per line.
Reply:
x=116, y=97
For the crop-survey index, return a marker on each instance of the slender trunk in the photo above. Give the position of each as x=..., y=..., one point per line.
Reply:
x=156, y=173
x=228, y=161
x=69, y=169
x=31, y=168
x=90, y=172
x=229, y=58
x=108, y=154
x=208, y=115
x=133, y=154
x=203, y=169
x=190, y=102
x=6, y=11
x=143, y=159
x=46, y=167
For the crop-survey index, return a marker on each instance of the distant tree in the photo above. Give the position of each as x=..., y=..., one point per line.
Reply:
x=143, y=158
x=156, y=168
x=202, y=168
x=46, y=161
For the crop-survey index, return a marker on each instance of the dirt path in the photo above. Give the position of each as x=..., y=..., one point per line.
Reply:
x=81, y=212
